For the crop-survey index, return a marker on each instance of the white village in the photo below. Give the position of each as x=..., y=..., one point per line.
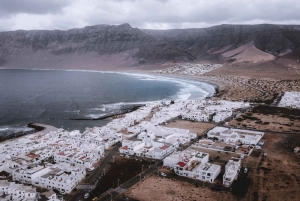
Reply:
x=142, y=134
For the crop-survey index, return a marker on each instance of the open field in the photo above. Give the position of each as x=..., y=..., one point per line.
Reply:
x=157, y=188
x=270, y=118
x=193, y=127
x=271, y=69
x=119, y=172
x=276, y=177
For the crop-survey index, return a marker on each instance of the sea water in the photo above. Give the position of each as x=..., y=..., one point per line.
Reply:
x=74, y=99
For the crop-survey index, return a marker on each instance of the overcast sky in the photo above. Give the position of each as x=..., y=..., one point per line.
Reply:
x=150, y=14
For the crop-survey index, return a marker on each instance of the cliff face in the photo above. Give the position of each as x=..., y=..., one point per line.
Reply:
x=105, y=45
x=277, y=40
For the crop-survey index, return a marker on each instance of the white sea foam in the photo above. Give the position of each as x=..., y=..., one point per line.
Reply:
x=95, y=116
x=15, y=129
x=184, y=96
x=3, y=129
x=195, y=89
x=102, y=108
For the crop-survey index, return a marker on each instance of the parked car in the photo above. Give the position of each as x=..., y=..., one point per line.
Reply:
x=90, y=169
x=86, y=196
x=163, y=174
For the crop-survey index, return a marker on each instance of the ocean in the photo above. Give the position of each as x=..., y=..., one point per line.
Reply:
x=75, y=99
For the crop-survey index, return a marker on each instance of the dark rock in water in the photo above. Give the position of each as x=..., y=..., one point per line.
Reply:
x=112, y=46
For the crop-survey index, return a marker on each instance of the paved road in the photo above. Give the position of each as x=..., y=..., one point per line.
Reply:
x=89, y=180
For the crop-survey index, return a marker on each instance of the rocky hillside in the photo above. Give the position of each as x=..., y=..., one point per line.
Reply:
x=111, y=46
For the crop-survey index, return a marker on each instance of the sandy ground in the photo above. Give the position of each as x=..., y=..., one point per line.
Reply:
x=193, y=127
x=157, y=188
x=270, y=118
x=276, y=123
x=248, y=53
x=276, y=177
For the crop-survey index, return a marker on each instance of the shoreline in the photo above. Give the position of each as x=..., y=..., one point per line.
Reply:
x=210, y=82
x=42, y=127
x=38, y=129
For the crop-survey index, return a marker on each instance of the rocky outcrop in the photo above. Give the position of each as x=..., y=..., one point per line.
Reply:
x=109, y=46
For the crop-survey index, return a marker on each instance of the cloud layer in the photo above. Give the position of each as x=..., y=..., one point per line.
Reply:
x=150, y=14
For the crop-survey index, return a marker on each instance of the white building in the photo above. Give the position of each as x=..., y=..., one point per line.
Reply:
x=228, y=135
x=196, y=115
x=290, y=99
x=13, y=191
x=130, y=147
x=193, y=164
x=62, y=177
x=221, y=116
x=232, y=169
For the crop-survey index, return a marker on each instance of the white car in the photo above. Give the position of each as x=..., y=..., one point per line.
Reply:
x=86, y=196
x=91, y=169
x=163, y=174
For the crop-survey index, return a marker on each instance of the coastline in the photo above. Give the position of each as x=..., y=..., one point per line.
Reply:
x=38, y=129
x=192, y=78
x=217, y=85
x=43, y=127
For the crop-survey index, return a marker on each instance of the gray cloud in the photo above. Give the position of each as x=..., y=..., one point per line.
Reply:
x=158, y=14
x=12, y=7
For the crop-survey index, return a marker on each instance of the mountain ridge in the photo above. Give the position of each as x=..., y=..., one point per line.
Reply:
x=121, y=45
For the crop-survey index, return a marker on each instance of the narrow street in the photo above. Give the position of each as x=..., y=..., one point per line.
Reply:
x=94, y=175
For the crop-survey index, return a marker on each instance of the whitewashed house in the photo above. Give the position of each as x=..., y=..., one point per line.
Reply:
x=235, y=135
x=193, y=164
x=232, y=169
x=14, y=191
